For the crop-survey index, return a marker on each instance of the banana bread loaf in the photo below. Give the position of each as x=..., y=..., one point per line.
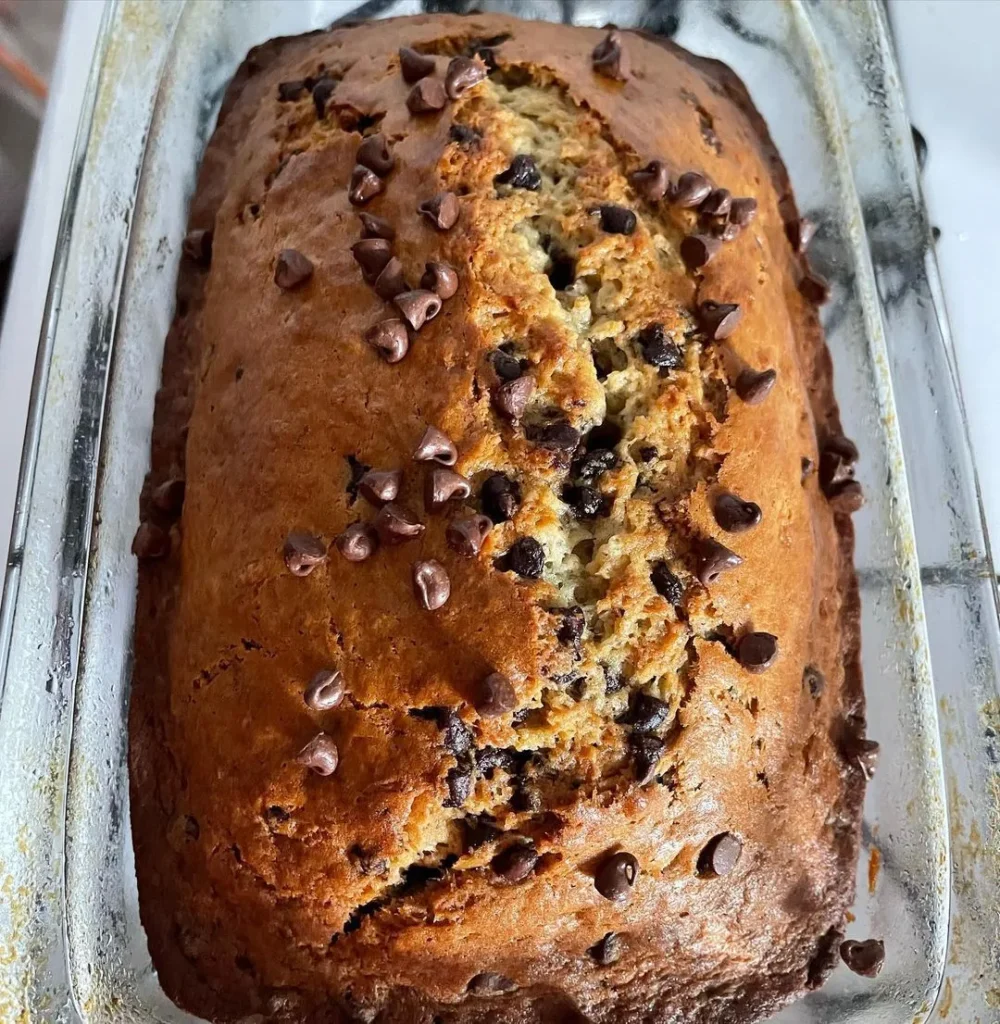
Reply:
x=497, y=632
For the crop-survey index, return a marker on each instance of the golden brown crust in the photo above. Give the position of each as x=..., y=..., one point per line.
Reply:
x=266, y=889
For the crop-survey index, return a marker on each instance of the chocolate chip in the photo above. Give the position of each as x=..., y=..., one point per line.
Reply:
x=862, y=752
x=616, y=220
x=511, y=399
x=320, y=755
x=357, y=542
x=734, y=514
x=374, y=153
x=431, y=583
x=667, y=584
x=462, y=74
x=716, y=203
x=435, y=446
x=389, y=339
x=573, y=623
x=376, y=227
x=464, y=135
x=646, y=713
x=288, y=92
x=418, y=307
x=724, y=229
x=441, y=210
x=365, y=185
x=321, y=93
x=380, y=485
x=169, y=496
x=487, y=984
x=367, y=861
x=616, y=876
x=526, y=557
x=197, y=247
x=607, y=951
x=444, y=485
x=413, y=65
x=150, y=542
x=658, y=350
x=440, y=278
x=846, y=497
x=507, y=367
x=836, y=461
x=814, y=680
x=426, y=97
x=396, y=524
x=459, y=781
x=292, y=269
x=589, y=466
x=496, y=697
x=522, y=173
x=814, y=288
x=697, y=250
x=609, y=58
x=690, y=190
x=478, y=830
x=372, y=255
x=865, y=958
x=501, y=497
x=587, y=502
x=753, y=386
x=560, y=436
x=390, y=282
x=757, y=651
x=457, y=735
x=325, y=691
x=713, y=560
x=719, y=319
x=516, y=863
x=303, y=552
x=646, y=754
x=742, y=211
x=648, y=452
x=806, y=467
x=720, y=855
x=651, y=181
x=800, y=233
x=467, y=534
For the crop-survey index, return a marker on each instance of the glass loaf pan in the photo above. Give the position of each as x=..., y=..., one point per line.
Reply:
x=823, y=75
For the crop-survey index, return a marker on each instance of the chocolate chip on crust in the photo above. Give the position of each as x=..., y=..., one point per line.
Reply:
x=375, y=154
x=380, y=485
x=390, y=339
x=431, y=584
x=426, y=97
x=320, y=755
x=734, y=514
x=292, y=269
x=719, y=319
x=690, y=190
x=714, y=559
x=516, y=863
x=497, y=696
x=753, y=386
x=616, y=876
x=444, y=485
x=440, y=278
x=435, y=446
x=720, y=855
x=358, y=542
x=651, y=182
x=373, y=226
x=413, y=65
x=442, y=210
x=463, y=73
x=364, y=186
x=467, y=534
x=396, y=524
x=609, y=57
x=303, y=552
x=606, y=951
x=325, y=691
x=756, y=651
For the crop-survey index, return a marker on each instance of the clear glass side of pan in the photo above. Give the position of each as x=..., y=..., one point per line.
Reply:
x=71, y=946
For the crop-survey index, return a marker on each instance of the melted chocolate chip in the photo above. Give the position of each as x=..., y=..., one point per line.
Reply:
x=646, y=753
x=713, y=560
x=303, y=552
x=390, y=282
x=646, y=713
x=489, y=984
x=325, y=691
x=413, y=65
x=865, y=958
x=667, y=584
x=719, y=319
x=616, y=876
x=609, y=58
x=657, y=348
x=458, y=736
x=651, y=181
x=320, y=755
x=467, y=534
x=364, y=186
x=616, y=220
x=376, y=227
x=814, y=288
x=522, y=173
x=426, y=97
x=418, y=307
x=396, y=524
x=753, y=386
x=435, y=446
x=691, y=189
x=463, y=73
x=372, y=255
x=570, y=631
x=321, y=93
x=442, y=210
x=357, y=542
x=169, y=496
x=526, y=557
x=734, y=514
x=389, y=339
x=150, y=542
x=560, y=436
x=756, y=651
x=431, y=583
x=587, y=502
x=589, y=466
x=501, y=497
x=717, y=203
x=507, y=366
x=440, y=278
x=464, y=135
x=197, y=247
x=516, y=863
x=511, y=399
x=607, y=951
x=375, y=154
x=443, y=485
x=720, y=855
x=459, y=781
x=292, y=269
x=697, y=250
x=742, y=211
x=814, y=680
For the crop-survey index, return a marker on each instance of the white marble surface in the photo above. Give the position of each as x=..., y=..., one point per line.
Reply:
x=952, y=81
